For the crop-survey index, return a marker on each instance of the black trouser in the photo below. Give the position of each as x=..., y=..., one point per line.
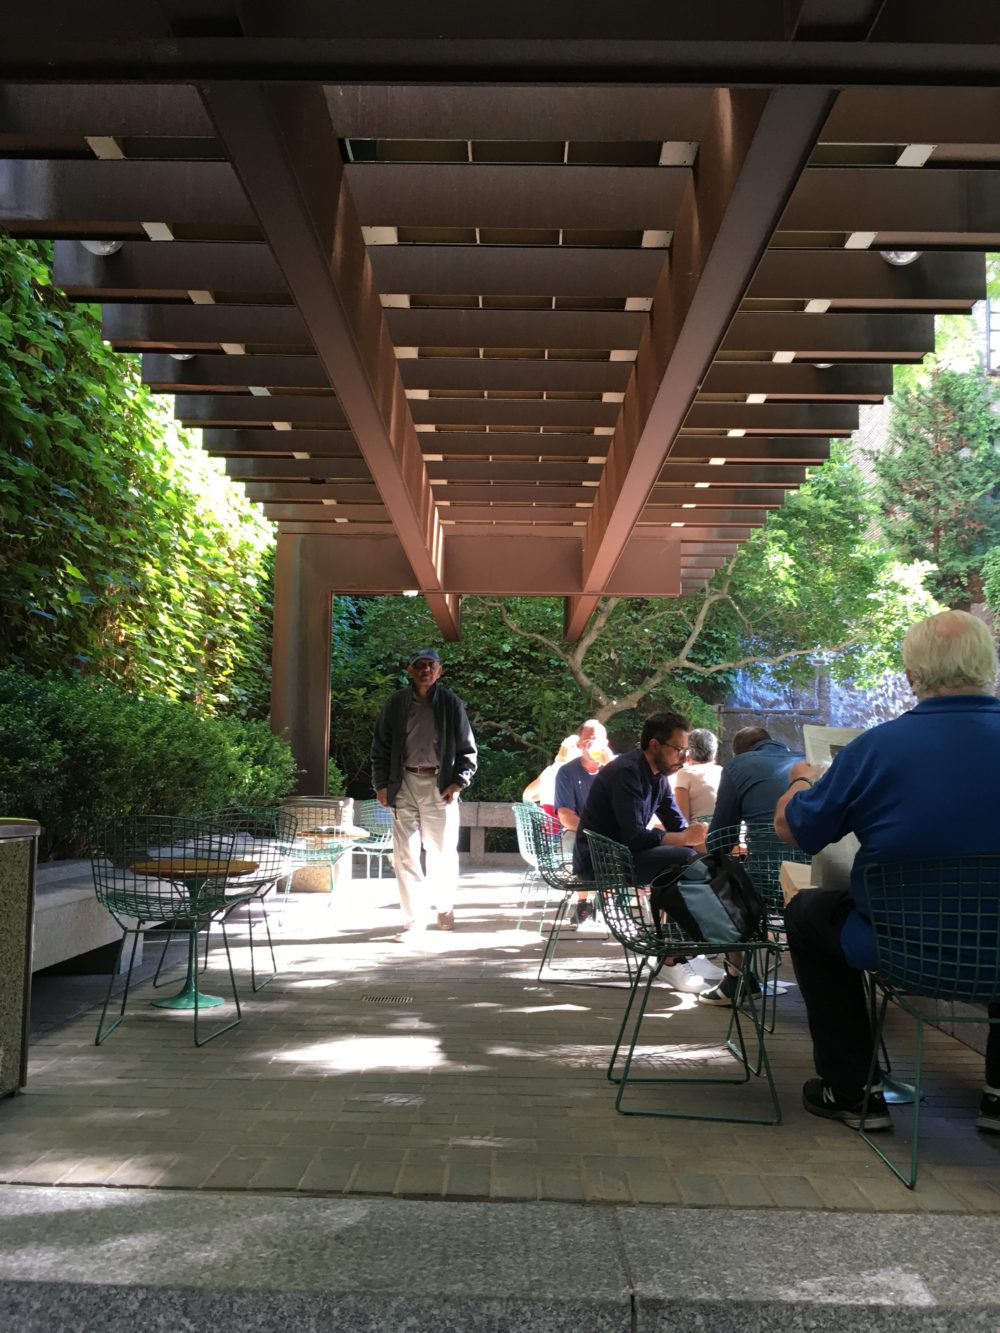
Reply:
x=834, y=994
x=654, y=860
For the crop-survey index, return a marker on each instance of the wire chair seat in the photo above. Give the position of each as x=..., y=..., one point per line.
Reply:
x=937, y=936
x=626, y=908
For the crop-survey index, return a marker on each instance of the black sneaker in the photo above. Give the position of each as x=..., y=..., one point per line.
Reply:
x=723, y=992
x=582, y=911
x=818, y=1099
x=989, y=1113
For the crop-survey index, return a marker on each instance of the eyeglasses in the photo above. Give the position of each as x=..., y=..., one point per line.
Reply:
x=682, y=750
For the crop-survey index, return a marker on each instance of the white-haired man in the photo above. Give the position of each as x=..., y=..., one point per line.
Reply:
x=925, y=785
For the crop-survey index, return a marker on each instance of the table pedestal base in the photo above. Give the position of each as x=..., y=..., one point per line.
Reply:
x=185, y=999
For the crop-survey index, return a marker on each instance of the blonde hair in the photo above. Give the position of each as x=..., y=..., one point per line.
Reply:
x=568, y=750
x=950, y=651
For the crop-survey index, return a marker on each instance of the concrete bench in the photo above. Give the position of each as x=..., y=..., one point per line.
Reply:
x=69, y=920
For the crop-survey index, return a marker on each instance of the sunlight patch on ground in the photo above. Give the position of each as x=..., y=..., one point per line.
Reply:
x=356, y=1054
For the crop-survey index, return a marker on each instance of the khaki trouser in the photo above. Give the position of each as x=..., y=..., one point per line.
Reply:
x=421, y=818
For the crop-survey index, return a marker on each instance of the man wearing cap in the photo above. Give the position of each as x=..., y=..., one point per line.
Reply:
x=423, y=755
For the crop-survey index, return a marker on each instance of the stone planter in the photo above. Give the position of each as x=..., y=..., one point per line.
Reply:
x=18, y=853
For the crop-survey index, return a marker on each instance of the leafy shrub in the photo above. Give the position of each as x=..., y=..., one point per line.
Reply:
x=74, y=753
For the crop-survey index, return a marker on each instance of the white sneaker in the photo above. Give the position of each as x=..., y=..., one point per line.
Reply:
x=683, y=977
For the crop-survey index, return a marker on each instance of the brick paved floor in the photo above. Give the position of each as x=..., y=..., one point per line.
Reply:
x=368, y=1067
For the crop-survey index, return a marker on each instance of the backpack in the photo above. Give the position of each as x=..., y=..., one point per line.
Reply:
x=710, y=898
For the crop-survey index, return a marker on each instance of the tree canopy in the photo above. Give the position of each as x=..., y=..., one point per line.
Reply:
x=938, y=482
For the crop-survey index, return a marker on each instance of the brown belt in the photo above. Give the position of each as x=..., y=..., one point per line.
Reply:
x=421, y=772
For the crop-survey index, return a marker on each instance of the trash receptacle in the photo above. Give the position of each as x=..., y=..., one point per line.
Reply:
x=18, y=853
x=321, y=812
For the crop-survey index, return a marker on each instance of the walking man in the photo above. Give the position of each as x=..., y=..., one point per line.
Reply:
x=424, y=754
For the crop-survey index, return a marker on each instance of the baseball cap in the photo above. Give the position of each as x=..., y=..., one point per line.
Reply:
x=431, y=654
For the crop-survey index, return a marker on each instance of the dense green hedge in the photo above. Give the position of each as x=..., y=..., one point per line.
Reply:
x=125, y=552
x=75, y=752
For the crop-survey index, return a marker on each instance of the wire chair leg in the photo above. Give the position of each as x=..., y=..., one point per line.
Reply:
x=550, y=943
x=635, y=1037
x=163, y=954
x=640, y=966
x=255, y=985
x=201, y=1041
x=909, y=1178
x=102, y=1032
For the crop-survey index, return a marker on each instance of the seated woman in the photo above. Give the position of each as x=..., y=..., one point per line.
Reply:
x=697, y=784
x=542, y=791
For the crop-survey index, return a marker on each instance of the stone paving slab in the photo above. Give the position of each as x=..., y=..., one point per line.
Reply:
x=448, y=1071
x=161, y=1260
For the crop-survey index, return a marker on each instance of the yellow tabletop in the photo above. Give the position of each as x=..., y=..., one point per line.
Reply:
x=182, y=868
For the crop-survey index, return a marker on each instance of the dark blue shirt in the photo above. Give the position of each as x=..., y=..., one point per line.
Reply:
x=925, y=785
x=573, y=784
x=751, y=784
x=624, y=797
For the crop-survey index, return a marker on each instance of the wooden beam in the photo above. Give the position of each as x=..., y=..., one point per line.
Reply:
x=480, y=194
x=752, y=151
x=274, y=140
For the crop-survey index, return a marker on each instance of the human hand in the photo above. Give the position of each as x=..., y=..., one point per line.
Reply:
x=696, y=834
x=803, y=769
x=382, y=796
x=449, y=793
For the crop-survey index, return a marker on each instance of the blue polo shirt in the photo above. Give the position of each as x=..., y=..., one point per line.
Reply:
x=751, y=784
x=624, y=797
x=925, y=785
x=573, y=784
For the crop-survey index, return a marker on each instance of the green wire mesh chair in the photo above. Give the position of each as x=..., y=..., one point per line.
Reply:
x=150, y=869
x=558, y=874
x=627, y=913
x=377, y=819
x=937, y=936
x=525, y=813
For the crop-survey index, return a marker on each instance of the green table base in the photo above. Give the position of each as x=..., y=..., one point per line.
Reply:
x=185, y=999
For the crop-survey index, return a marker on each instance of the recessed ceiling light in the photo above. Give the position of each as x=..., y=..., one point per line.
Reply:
x=900, y=258
x=102, y=248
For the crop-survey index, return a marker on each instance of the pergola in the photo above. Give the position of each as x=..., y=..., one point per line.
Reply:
x=529, y=299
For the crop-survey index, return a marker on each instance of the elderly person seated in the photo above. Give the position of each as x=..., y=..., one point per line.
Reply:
x=697, y=784
x=882, y=789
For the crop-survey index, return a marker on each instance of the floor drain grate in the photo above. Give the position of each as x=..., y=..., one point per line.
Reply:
x=387, y=999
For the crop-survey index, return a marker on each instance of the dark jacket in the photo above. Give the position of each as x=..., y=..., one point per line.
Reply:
x=456, y=744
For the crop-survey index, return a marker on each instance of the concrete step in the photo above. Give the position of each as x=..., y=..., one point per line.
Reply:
x=199, y=1260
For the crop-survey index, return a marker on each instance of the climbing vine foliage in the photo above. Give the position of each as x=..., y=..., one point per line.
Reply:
x=124, y=552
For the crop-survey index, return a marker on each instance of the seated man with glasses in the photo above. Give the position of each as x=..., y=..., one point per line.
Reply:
x=625, y=797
